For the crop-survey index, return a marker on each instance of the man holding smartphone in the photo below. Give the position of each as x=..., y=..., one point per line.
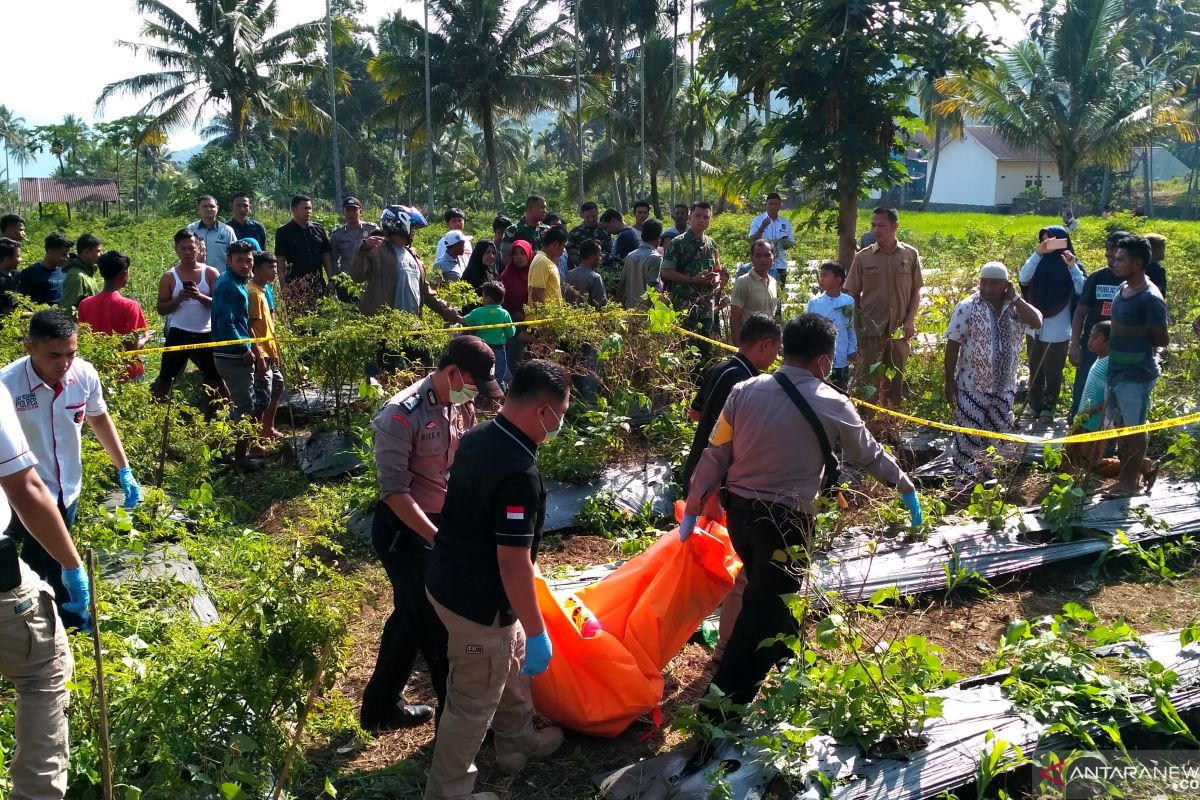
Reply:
x=184, y=299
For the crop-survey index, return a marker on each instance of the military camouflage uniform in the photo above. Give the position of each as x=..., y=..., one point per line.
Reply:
x=580, y=234
x=522, y=230
x=693, y=255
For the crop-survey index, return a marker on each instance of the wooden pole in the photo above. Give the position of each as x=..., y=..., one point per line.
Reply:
x=313, y=690
x=106, y=780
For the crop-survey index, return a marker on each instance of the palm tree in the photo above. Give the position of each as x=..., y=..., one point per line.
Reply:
x=12, y=138
x=940, y=126
x=484, y=61
x=647, y=127
x=1077, y=93
x=227, y=57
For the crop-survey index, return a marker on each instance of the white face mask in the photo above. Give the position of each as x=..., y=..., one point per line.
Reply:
x=464, y=395
x=551, y=435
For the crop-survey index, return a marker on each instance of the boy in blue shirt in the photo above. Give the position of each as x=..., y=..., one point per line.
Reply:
x=837, y=307
x=238, y=363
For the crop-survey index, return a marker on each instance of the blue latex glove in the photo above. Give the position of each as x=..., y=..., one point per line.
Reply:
x=913, y=504
x=537, y=654
x=76, y=581
x=129, y=485
x=686, y=526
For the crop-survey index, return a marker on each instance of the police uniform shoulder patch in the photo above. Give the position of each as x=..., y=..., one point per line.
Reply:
x=411, y=403
x=431, y=397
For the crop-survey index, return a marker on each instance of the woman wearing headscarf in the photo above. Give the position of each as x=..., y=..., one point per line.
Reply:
x=515, y=278
x=483, y=265
x=1050, y=280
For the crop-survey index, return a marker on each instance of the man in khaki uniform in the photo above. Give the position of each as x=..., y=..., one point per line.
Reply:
x=416, y=438
x=769, y=492
x=34, y=654
x=756, y=292
x=885, y=282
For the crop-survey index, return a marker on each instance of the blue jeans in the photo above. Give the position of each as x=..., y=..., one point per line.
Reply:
x=1128, y=402
x=1081, y=372
x=514, y=350
x=501, y=362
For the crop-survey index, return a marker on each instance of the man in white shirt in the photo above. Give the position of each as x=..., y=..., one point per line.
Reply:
x=452, y=263
x=34, y=655
x=775, y=229
x=455, y=221
x=215, y=235
x=53, y=393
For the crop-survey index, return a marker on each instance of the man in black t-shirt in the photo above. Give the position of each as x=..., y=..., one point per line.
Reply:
x=10, y=259
x=1095, y=304
x=302, y=246
x=481, y=582
x=758, y=350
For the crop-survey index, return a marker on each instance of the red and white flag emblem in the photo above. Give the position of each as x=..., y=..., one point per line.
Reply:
x=515, y=512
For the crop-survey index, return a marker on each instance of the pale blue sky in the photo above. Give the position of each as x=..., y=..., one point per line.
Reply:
x=65, y=74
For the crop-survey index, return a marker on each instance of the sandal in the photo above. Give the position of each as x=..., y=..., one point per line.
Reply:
x=1119, y=493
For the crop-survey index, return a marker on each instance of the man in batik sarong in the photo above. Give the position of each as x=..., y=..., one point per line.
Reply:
x=983, y=351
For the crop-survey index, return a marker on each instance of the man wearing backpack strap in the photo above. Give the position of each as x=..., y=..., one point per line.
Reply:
x=770, y=490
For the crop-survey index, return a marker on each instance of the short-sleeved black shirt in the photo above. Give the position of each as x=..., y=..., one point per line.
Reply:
x=250, y=229
x=718, y=381
x=9, y=287
x=302, y=248
x=1098, y=292
x=1157, y=274
x=495, y=497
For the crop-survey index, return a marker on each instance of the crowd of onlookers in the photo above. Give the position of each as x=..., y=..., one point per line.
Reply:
x=220, y=289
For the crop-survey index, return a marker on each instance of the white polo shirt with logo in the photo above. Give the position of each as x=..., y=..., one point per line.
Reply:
x=15, y=454
x=52, y=419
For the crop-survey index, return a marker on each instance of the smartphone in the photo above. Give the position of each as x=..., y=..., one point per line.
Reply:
x=1056, y=244
x=189, y=284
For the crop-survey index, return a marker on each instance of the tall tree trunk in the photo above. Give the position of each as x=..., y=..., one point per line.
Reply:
x=489, y=147
x=642, y=116
x=1192, y=179
x=933, y=163
x=847, y=212
x=1068, y=184
x=618, y=200
x=1147, y=183
x=137, y=184
x=1105, y=188
x=655, y=203
x=672, y=116
x=768, y=153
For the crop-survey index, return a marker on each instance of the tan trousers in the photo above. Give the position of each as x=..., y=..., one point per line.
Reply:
x=893, y=354
x=35, y=657
x=484, y=688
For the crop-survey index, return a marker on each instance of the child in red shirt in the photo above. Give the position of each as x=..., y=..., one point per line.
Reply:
x=112, y=313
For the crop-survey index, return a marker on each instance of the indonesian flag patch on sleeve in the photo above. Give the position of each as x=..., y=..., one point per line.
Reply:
x=515, y=512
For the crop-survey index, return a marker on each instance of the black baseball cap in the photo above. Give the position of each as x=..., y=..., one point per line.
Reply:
x=57, y=241
x=475, y=356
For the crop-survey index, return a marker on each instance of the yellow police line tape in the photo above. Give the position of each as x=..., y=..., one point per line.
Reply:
x=415, y=332
x=1077, y=438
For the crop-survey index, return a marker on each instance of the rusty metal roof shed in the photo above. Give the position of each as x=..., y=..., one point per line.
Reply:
x=67, y=190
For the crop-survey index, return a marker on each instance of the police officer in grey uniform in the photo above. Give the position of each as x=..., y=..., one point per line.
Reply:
x=769, y=491
x=416, y=436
